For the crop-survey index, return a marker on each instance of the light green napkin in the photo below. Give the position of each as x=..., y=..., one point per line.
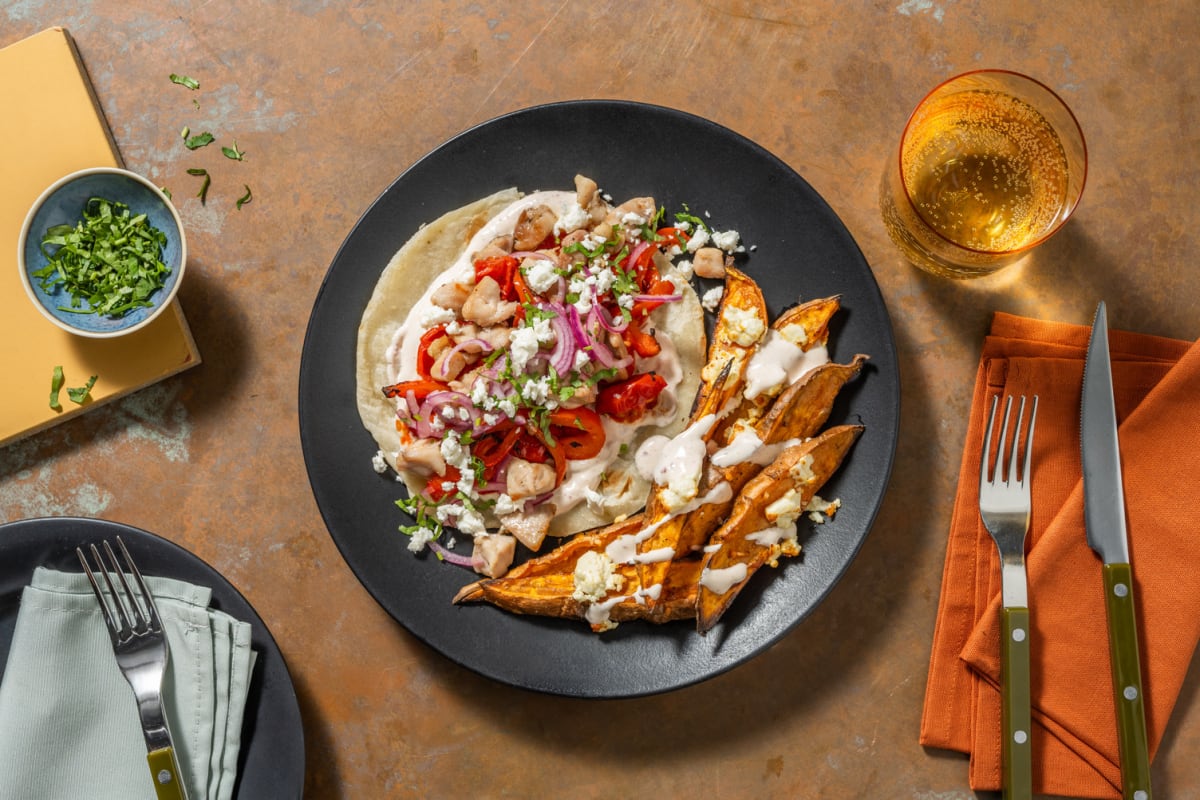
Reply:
x=68, y=721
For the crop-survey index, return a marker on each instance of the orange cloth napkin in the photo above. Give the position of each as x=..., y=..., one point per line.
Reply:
x=1157, y=389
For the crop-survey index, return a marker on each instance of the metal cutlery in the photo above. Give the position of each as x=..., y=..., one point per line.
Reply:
x=141, y=650
x=1104, y=515
x=1004, y=507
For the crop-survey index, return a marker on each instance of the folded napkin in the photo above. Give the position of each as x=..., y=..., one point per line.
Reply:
x=1156, y=385
x=68, y=721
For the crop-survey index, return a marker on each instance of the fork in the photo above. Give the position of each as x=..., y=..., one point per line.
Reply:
x=142, y=654
x=1004, y=506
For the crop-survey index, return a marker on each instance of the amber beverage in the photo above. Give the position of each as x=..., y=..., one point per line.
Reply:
x=990, y=164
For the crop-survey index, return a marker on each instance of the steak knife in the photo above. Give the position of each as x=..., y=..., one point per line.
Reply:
x=1104, y=515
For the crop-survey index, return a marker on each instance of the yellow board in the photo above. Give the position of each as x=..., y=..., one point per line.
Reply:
x=50, y=126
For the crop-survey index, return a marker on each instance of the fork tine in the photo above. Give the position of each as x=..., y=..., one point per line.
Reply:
x=101, y=600
x=987, y=445
x=125, y=628
x=1014, y=447
x=1000, y=476
x=137, y=615
x=1029, y=443
x=147, y=597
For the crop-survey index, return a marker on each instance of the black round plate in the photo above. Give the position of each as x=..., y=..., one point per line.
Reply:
x=801, y=249
x=271, y=762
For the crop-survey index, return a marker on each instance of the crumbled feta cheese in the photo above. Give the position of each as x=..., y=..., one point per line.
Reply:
x=820, y=509
x=470, y=522
x=454, y=454
x=796, y=334
x=684, y=266
x=379, y=463
x=801, y=471
x=698, y=240
x=625, y=301
x=602, y=280
x=420, y=538
x=575, y=218
x=454, y=328
x=744, y=325
x=507, y=406
x=436, y=315
x=582, y=359
x=633, y=219
x=505, y=505
x=595, y=576
x=522, y=346
x=540, y=275
x=712, y=298
x=726, y=240
x=783, y=512
x=537, y=392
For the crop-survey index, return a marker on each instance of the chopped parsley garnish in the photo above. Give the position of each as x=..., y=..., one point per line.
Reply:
x=203, y=193
x=687, y=216
x=233, y=152
x=184, y=80
x=199, y=140
x=56, y=384
x=79, y=394
x=111, y=258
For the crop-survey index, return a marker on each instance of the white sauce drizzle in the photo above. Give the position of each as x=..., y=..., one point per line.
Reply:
x=720, y=581
x=779, y=362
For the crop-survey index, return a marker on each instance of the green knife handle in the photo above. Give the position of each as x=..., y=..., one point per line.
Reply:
x=164, y=770
x=1017, y=758
x=1127, y=681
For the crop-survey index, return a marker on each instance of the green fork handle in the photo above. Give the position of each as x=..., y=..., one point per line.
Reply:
x=1127, y=681
x=164, y=770
x=1016, y=752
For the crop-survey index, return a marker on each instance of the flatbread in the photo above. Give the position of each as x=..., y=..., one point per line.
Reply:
x=403, y=282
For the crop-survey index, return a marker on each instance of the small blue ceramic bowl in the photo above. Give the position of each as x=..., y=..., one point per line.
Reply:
x=63, y=204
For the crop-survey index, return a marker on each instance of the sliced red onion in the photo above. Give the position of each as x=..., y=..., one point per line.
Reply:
x=452, y=557
x=465, y=346
x=575, y=323
x=435, y=404
x=562, y=357
x=657, y=298
x=600, y=317
x=636, y=252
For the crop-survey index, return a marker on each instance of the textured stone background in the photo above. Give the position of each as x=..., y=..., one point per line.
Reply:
x=332, y=100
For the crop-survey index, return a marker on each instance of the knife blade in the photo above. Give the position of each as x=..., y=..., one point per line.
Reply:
x=1104, y=517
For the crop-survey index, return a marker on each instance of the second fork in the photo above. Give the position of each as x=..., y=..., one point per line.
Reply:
x=1004, y=506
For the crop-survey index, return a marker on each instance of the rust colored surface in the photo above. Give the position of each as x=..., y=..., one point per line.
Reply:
x=331, y=101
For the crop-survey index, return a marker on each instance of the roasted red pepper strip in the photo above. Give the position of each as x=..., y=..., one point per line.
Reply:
x=642, y=308
x=420, y=389
x=425, y=360
x=640, y=342
x=578, y=431
x=531, y=448
x=670, y=237
x=629, y=400
x=500, y=269
x=433, y=486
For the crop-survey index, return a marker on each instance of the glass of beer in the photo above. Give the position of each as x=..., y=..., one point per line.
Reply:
x=990, y=164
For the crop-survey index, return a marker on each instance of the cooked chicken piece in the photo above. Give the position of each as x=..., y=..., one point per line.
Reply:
x=527, y=479
x=643, y=207
x=500, y=246
x=533, y=226
x=497, y=336
x=484, y=305
x=422, y=456
x=529, y=526
x=587, y=195
x=448, y=365
x=709, y=262
x=451, y=295
x=493, y=554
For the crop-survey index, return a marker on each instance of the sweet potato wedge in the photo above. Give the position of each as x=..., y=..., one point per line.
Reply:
x=770, y=500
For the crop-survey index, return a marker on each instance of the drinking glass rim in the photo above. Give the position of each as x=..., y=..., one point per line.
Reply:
x=991, y=71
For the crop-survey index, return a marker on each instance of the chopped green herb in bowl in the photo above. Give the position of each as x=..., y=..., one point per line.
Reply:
x=102, y=252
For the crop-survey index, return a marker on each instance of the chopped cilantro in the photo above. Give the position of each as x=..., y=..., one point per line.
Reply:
x=233, y=152
x=246, y=198
x=184, y=80
x=111, y=258
x=203, y=193
x=56, y=384
x=80, y=394
x=199, y=140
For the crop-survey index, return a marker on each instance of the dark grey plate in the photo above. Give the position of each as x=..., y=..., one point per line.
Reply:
x=271, y=763
x=802, y=250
